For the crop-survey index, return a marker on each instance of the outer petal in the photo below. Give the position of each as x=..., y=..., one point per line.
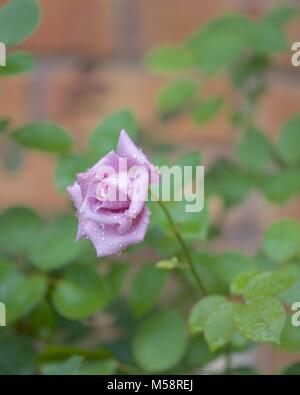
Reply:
x=75, y=192
x=127, y=149
x=108, y=241
x=106, y=217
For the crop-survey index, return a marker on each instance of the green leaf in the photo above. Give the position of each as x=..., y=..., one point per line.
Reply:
x=101, y=367
x=17, y=63
x=43, y=136
x=281, y=240
x=268, y=284
x=19, y=228
x=169, y=59
x=292, y=293
x=146, y=289
x=254, y=150
x=229, y=264
x=220, y=325
x=81, y=293
x=175, y=96
x=282, y=186
x=69, y=367
x=213, y=284
x=241, y=281
x=244, y=70
x=91, y=362
x=228, y=181
x=20, y=294
x=266, y=38
x=160, y=342
x=42, y=321
x=205, y=267
x=4, y=123
x=261, y=320
x=18, y=19
x=67, y=168
x=281, y=15
x=193, y=159
x=192, y=225
x=198, y=353
x=18, y=356
x=55, y=246
x=289, y=141
x=238, y=342
x=206, y=110
x=201, y=312
x=106, y=135
x=292, y=369
x=195, y=226
x=116, y=277
x=290, y=336
x=59, y=353
x=219, y=44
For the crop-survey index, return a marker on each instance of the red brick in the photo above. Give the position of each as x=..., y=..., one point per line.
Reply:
x=75, y=27
x=170, y=21
x=281, y=101
x=32, y=185
x=14, y=97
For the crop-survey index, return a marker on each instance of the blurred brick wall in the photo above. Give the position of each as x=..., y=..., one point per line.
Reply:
x=89, y=63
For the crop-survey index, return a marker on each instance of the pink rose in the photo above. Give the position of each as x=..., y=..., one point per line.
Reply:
x=110, y=198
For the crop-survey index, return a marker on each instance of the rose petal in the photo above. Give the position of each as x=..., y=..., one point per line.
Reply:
x=75, y=192
x=139, y=194
x=109, y=242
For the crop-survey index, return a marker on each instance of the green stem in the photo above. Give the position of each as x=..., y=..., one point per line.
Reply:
x=183, y=246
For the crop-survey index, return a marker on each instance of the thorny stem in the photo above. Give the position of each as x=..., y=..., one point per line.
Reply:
x=183, y=246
